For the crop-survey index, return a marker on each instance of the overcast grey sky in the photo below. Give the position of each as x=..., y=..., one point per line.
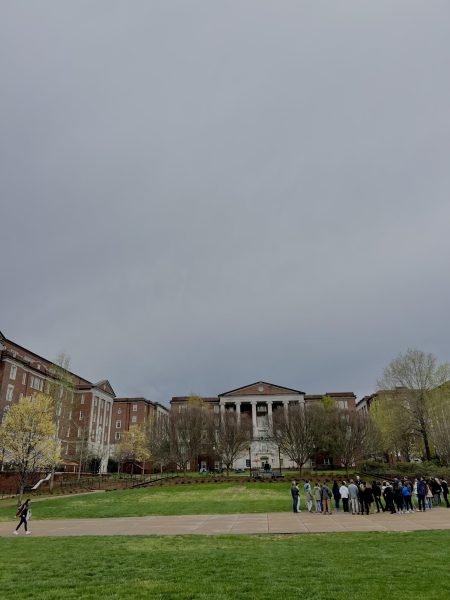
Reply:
x=197, y=195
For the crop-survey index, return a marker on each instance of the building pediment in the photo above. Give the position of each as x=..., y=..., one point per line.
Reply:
x=260, y=388
x=105, y=386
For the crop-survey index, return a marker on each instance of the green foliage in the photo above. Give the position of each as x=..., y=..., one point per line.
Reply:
x=405, y=469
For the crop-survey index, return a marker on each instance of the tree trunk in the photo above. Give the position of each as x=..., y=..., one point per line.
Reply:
x=426, y=443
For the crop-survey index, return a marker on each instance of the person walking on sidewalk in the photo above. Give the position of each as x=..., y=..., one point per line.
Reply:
x=24, y=512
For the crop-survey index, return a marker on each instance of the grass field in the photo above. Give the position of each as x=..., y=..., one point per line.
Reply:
x=334, y=566
x=206, y=498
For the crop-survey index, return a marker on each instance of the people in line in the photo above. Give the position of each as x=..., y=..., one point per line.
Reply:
x=395, y=497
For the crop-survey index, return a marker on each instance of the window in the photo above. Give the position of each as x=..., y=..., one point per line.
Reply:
x=9, y=392
x=117, y=435
x=95, y=400
x=82, y=399
x=79, y=432
x=81, y=415
x=118, y=424
x=134, y=407
x=13, y=372
x=37, y=384
x=247, y=462
x=24, y=378
x=134, y=419
x=342, y=404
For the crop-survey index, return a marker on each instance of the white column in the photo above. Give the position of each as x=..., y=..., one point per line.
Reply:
x=269, y=416
x=238, y=411
x=286, y=406
x=255, y=428
x=222, y=408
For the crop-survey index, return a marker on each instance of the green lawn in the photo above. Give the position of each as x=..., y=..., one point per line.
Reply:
x=332, y=566
x=195, y=499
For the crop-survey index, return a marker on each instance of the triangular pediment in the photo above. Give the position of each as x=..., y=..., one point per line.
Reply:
x=260, y=388
x=106, y=387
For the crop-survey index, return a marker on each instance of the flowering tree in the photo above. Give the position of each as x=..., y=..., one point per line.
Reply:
x=28, y=438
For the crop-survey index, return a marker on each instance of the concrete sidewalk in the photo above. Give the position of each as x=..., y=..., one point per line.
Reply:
x=275, y=523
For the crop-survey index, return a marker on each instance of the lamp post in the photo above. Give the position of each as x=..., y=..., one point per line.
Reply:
x=279, y=458
x=250, y=459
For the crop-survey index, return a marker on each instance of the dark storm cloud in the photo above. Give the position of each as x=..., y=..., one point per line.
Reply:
x=198, y=195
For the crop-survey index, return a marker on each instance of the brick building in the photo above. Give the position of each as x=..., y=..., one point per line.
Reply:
x=85, y=413
x=133, y=411
x=259, y=400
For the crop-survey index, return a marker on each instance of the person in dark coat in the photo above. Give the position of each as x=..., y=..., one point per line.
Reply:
x=388, y=496
x=376, y=490
x=421, y=493
x=367, y=498
x=295, y=493
x=24, y=512
x=336, y=495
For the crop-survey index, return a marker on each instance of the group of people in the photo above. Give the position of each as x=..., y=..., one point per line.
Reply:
x=358, y=496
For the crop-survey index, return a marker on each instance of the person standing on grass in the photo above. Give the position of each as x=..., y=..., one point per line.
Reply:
x=24, y=512
x=444, y=486
x=343, y=491
x=295, y=493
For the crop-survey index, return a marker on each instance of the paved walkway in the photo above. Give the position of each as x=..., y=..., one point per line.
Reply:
x=276, y=523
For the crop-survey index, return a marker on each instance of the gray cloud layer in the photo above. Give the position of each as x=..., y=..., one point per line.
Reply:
x=198, y=195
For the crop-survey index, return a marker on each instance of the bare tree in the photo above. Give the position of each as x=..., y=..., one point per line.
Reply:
x=61, y=389
x=158, y=439
x=440, y=423
x=348, y=436
x=418, y=374
x=295, y=432
x=188, y=433
x=231, y=437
